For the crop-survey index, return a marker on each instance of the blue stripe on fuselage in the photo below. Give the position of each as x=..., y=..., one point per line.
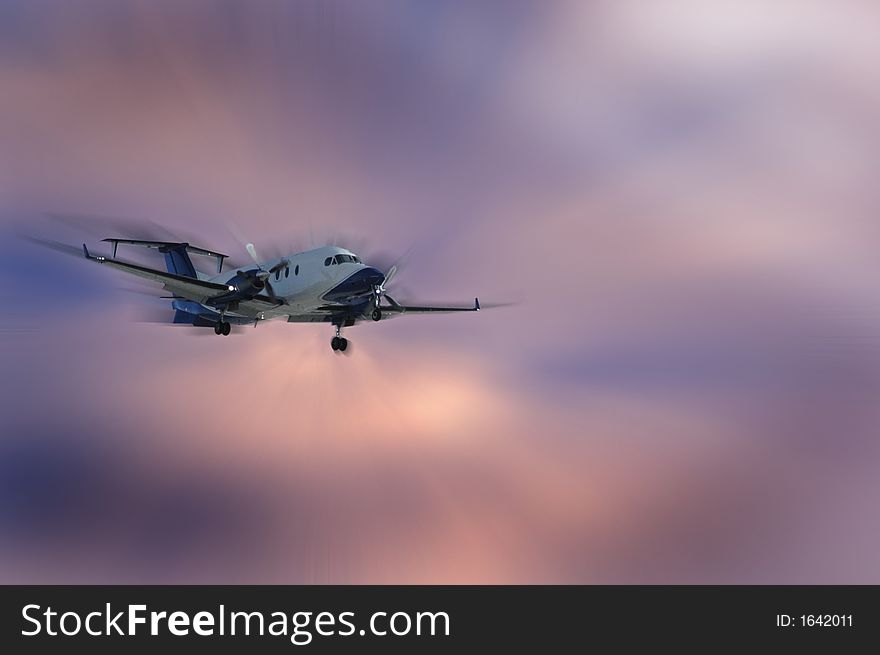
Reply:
x=356, y=285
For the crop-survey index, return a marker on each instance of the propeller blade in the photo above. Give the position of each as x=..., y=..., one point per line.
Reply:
x=390, y=275
x=279, y=266
x=253, y=253
x=264, y=274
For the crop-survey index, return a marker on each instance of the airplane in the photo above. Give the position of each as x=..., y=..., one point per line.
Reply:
x=323, y=285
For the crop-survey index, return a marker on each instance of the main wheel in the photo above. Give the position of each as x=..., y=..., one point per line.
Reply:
x=227, y=328
x=334, y=343
x=343, y=344
x=218, y=328
x=377, y=314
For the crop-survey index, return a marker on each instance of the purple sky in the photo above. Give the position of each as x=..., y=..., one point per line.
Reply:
x=680, y=197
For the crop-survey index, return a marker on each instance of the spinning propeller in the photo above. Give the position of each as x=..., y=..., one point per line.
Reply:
x=260, y=279
x=379, y=291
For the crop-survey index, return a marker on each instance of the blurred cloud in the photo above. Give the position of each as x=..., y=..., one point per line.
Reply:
x=680, y=196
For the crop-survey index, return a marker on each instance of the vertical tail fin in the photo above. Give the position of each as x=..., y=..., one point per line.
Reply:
x=177, y=260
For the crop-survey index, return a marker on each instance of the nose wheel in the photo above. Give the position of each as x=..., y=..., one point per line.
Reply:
x=377, y=314
x=222, y=327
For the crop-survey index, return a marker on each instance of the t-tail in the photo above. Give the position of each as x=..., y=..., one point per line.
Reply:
x=177, y=261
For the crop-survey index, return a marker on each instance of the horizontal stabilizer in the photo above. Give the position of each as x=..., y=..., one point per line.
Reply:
x=169, y=247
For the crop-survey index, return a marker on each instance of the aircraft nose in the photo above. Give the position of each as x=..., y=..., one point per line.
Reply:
x=357, y=285
x=373, y=276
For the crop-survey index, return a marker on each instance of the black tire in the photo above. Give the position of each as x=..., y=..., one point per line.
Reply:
x=334, y=343
x=227, y=328
x=343, y=344
x=218, y=328
x=377, y=315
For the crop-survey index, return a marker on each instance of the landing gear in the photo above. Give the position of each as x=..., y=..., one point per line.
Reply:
x=338, y=342
x=222, y=327
x=377, y=314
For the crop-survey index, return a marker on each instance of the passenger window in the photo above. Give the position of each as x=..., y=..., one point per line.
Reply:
x=296, y=270
x=278, y=274
x=286, y=272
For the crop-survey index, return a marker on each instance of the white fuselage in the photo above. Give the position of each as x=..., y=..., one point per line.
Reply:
x=306, y=279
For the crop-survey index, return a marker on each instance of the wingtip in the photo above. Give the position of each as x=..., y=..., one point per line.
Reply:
x=90, y=256
x=476, y=304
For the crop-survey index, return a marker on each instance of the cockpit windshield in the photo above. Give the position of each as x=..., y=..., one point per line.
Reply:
x=341, y=259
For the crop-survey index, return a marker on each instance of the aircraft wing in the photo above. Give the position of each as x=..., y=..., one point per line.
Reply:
x=397, y=308
x=185, y=287
x=326, y=313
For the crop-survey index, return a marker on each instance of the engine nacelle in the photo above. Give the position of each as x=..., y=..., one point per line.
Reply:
x=247, y=283
x=244, y=285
